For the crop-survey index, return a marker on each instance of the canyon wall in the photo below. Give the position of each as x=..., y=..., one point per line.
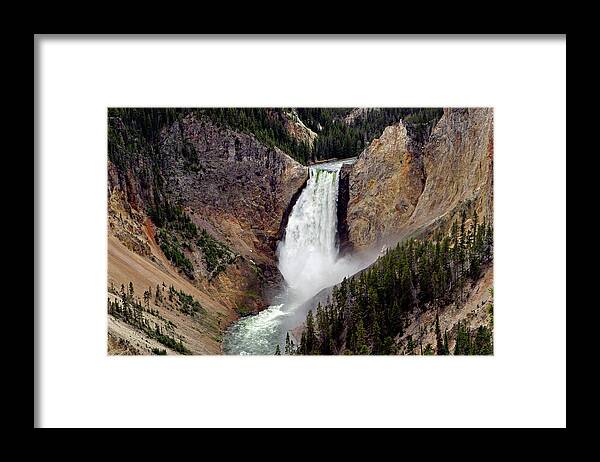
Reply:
x=232, y=184
x=410, y=182
x=458, y=162
x=385, y=184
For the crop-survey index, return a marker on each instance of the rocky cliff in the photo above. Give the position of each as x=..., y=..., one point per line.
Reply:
x=407, y=184
x=297, y=129
x=342, y=209
x=458, y=163
x=385, y=184
x=231, y=183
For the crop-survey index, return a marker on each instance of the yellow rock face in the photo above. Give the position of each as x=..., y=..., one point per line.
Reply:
x=385, y=184
x=398, y=189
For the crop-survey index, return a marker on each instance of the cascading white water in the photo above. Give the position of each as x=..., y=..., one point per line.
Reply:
x=308, y=251
x=308, y=261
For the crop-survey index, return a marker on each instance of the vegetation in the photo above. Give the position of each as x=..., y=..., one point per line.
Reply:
x=367, y=312
x=130, y=309
x=441, y=344
x=136, y=131
x=173, y=217
x=473, y=343
x=335, y=138
x=189, y=304
x=289, y=344
x=490, y=307
x=340, y=139
x=264, y=124
x=172, y=248
x=243, y=310
x=177, y=232
x=134, y=135
x=216, y=254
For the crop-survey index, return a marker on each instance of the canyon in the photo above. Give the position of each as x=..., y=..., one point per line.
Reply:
x=242, y=194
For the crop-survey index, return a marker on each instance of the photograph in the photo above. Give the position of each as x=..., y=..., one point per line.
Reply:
x=296, y=231
x=300, y=231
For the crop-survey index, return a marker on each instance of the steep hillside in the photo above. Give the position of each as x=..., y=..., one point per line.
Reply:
x=388, y=308
x=196, y=209
x=473, y=314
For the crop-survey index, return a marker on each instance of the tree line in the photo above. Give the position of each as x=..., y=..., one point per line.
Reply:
x=336, y=138
x=144, y=126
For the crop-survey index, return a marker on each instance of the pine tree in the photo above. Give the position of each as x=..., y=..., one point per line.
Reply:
x=440, y=350
x=302, y=346
x=376, y=337
x=463, y=340
x=147, y=294
x=446, y=348
x=277, y=351
x=410, y=345
x=287, y=344
x=361, y=347
x=388, y=346
x=311, y=338
x=482, y=345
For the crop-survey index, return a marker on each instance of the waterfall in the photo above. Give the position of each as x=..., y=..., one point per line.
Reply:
x=309, y=251
x=308, y=260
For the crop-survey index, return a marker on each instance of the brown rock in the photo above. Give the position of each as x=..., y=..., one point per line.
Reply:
x=402, y=187
x=385, y=184
x=459, y=168
x=235, y=184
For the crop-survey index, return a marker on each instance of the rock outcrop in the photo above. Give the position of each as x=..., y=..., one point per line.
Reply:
x=405, y=185
x=298, y=130
x=294, y=126
x=458, y=163
x=385, y=184
x=357, y=113
x=232, y=184
x=342, y=209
